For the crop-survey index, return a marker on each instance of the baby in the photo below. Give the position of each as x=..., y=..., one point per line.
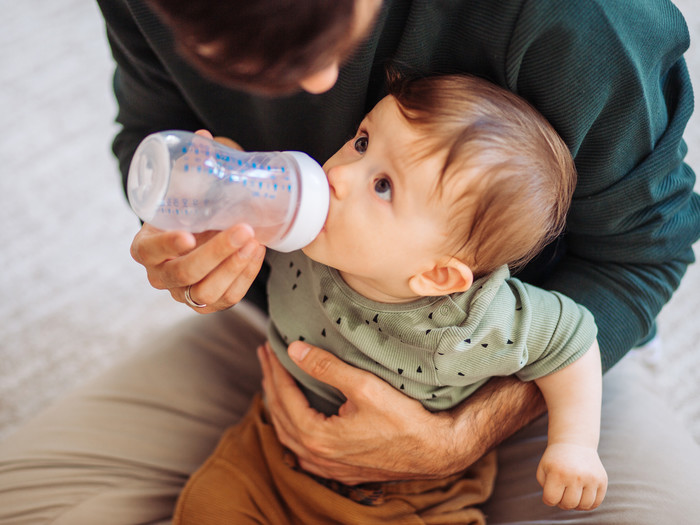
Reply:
x=448, y=183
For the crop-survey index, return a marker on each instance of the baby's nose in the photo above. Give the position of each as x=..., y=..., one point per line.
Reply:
x=338, y=181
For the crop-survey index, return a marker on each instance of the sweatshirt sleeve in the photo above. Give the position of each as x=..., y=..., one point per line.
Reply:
x=147, y=96
x=611, y=78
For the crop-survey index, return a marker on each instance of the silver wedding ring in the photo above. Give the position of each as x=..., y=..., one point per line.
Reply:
x=191, y=302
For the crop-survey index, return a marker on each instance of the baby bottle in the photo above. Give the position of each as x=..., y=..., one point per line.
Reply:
x=182, y=181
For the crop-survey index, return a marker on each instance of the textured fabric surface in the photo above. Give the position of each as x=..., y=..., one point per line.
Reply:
x=73, y=301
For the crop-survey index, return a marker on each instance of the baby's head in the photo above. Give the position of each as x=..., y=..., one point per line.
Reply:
x=517, y=174
x=446, y=179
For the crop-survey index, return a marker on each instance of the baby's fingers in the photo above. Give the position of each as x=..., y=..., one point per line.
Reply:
x=571, y=499
x=552, y=493
x=600, y=491
x=589, y=498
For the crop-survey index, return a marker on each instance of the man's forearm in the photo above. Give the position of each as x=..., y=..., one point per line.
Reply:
x=493, y=413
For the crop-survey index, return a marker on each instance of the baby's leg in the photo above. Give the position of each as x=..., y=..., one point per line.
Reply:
x=118, y=450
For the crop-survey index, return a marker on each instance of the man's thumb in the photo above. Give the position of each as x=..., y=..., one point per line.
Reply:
x=321, y=364
x=298, y=351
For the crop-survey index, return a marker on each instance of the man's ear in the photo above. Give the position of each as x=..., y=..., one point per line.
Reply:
x=450, y=277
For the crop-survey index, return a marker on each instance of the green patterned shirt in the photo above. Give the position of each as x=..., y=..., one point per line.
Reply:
x=437, y=350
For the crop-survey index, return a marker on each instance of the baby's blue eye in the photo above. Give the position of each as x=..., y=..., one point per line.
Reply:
x=382, y=188
x=360, y=144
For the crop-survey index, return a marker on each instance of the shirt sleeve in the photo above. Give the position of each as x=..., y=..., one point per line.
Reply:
x=548, y=350
x=512, y=327
x=620, y=96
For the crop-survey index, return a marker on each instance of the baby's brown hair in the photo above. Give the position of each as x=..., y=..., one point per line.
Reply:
x=519, y=175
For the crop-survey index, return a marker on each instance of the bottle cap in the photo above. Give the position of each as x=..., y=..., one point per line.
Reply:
x=149, y=176
x=313, y=205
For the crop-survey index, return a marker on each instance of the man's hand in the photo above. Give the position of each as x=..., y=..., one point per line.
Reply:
x=220, y=266
x=572, y=477
x=380, y=434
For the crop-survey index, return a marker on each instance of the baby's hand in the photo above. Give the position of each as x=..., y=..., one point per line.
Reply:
x=572, y=477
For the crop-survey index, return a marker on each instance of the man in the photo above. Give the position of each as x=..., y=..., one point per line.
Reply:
x=619, y=97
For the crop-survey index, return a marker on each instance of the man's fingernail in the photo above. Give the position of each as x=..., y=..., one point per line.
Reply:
x=298, y=351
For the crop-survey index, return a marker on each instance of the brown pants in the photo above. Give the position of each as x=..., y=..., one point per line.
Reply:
x=251, y=478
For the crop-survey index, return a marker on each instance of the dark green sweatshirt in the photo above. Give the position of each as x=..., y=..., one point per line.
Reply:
x=609, y=75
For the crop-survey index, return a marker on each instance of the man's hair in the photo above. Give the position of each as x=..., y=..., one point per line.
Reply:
x=265, y=45
x=518, y=174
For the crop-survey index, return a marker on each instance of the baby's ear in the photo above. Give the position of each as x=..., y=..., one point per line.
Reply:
x=450, y=277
